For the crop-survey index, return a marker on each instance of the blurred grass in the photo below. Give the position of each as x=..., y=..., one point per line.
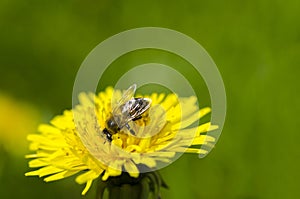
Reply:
x=255, y=44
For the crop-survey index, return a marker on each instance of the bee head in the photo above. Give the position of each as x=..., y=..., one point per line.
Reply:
x=112, y=125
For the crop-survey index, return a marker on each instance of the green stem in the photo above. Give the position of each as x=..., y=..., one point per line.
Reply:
x=146, y=186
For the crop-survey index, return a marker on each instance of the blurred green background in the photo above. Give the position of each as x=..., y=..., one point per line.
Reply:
x=255, y=44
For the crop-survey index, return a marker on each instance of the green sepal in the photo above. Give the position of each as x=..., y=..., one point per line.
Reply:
x=146, y=186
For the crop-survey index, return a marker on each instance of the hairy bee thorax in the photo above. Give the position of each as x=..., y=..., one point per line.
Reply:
x=112, y=125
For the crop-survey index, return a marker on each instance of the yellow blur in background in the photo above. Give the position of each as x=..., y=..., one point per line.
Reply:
x=17, y=119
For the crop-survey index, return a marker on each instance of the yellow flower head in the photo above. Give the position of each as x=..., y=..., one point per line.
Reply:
x=75, y=142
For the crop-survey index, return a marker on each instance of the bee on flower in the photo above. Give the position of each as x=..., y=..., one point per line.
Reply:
x=114, y=133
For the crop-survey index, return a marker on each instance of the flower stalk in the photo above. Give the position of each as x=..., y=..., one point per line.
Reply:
x=146, y=186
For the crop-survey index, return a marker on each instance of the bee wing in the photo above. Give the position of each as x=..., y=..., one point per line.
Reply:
x=118, y=106
x=157, y=121
x=127, y=95
x=132, y=109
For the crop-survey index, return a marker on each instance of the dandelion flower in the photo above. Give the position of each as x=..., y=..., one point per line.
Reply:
x=73, y=143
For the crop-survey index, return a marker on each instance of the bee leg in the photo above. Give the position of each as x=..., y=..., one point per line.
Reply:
x=107, y=134
x=109, y=137
x=130, y=129
x=137, y=118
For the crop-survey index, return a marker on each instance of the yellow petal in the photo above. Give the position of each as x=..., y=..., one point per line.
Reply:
x=149, y=161
x=131, y=168
x=202, y=139
x=48, y=129
x=89, y=175
x=60, y=175
x=193, y=150
x=87, y=187
x=168, y=154
x=133, y=148
x=144, y=143
x=37, y=163
x=111, y=172
x=205, y=127
x=48, y=170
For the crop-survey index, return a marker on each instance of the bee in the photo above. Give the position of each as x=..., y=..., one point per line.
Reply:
x=126, y=109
